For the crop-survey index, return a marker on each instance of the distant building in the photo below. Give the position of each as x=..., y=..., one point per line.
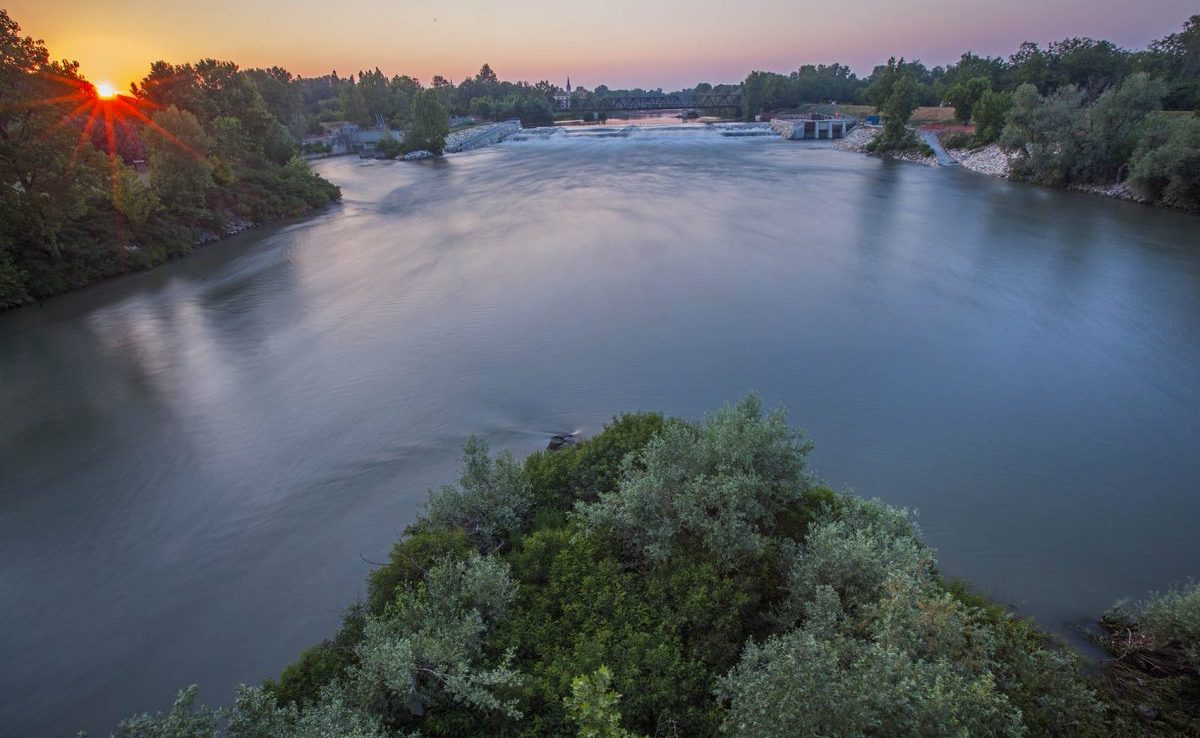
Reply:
x=562, y=100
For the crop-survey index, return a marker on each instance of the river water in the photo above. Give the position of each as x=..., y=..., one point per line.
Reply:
x=194, y=460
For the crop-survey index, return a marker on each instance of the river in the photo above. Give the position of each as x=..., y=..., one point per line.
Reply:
x=194, y=460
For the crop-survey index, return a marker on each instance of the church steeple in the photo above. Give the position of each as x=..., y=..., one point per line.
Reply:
x=568, y=85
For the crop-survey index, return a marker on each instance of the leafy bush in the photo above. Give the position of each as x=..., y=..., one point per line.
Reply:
x=857, y=550
x=815, y=684
x=1165, y=167
x=427, y=647
x=1173, y=618
x=592, y=705
x=722, y=484
x=491, y=502
x=410, y=558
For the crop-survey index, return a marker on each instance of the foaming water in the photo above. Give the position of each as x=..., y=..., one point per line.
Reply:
x=193, y=461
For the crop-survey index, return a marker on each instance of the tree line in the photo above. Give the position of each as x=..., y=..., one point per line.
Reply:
x=1080, y=112
x=1090, y=65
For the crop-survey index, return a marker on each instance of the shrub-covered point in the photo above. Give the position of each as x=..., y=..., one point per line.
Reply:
x=673, y=578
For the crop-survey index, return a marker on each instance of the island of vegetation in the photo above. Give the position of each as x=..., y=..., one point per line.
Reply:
x=670, y=578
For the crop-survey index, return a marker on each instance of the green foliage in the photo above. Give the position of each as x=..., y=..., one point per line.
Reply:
x=809, y=683
x=856, y=550
x=990, y=114
x=183, y=720
x=965, y=95
x=1044, y=131
x=592, y=706
x=579, y=607
x=429, y=126
x=389, y=148
x=411, y=558
x=1114, y=123
x=320, y=665
x=897, y=107
x=722, y=485
x=179, y=171
x=12, y=282
x=1165, y=166
x=1173, y=619
x=583, y=471
x=491, y=503
x=957, y=140
x=428, y=646
x=1061, y=141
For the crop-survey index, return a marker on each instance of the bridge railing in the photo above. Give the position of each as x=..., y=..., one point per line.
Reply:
x=717, y=101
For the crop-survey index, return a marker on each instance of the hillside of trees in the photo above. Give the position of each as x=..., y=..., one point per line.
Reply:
x=667, y=578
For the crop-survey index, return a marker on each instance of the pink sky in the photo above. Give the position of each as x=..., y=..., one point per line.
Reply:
x=668, y=43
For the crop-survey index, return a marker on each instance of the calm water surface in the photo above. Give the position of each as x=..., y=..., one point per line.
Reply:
x=193, y=460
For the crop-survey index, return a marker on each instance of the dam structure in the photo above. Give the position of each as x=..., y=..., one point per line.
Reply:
x=814, y=127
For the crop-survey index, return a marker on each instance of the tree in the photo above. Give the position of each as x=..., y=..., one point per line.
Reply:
x=1176, y=60
x=429, y=126
x=180, y=172
x=897, y=109
x=1044, y=133
x=1165, y=166
x=1113, y=124
x=965, y=95
x=990, y=114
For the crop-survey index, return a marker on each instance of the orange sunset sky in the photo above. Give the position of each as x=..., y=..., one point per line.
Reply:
x=648, y=43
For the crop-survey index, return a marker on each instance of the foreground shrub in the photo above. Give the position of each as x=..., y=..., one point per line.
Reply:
x=816, y=684
x=855, y=550
x=724, y=484
x=491, y=502
x=428, y=646
x=1174, y=618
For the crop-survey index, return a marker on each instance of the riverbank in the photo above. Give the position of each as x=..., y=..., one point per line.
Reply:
x=863, y=134
x=990, y=160
x=231, y=225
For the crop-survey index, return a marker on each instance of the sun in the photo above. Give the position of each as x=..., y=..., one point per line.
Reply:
x=105, y=91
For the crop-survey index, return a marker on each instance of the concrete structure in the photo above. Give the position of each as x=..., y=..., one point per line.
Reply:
x=481, y=136
x=814, y=127
x=343, y=137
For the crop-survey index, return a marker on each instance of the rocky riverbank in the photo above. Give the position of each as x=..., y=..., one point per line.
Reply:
x=862, y=135
x=991, y=160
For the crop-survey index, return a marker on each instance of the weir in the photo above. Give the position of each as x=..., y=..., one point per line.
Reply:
x=814, y=127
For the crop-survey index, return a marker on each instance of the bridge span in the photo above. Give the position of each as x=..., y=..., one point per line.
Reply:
x=716, y=101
